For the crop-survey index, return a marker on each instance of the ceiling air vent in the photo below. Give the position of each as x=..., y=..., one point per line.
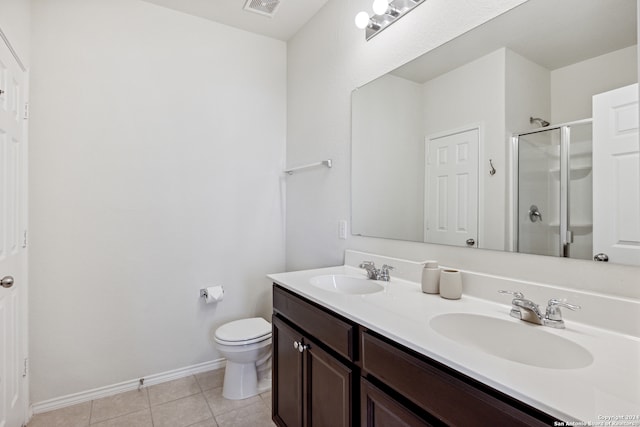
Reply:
x=263, y=7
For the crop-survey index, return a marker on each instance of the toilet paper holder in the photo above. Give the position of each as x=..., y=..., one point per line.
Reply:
x=205, y=294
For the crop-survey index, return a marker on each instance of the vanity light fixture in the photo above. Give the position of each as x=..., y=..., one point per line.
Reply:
x=385, y=13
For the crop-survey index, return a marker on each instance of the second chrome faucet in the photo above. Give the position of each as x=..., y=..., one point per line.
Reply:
x=375, y=273
x=527, y=310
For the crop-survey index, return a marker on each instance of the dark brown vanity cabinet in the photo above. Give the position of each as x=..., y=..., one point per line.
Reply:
x=438, y=394
x=330, y=372
x=381, y=410
x=313, y=384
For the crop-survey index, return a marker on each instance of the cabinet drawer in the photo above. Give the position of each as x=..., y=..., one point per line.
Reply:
x=377, y=409
x=326, y=327
x=453, y=399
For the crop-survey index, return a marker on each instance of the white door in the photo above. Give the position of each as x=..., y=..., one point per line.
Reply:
x=13, y=258
x=616, y=174
x=451, y=199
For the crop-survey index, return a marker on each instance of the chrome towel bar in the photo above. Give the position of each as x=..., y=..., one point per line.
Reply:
x=328, y=163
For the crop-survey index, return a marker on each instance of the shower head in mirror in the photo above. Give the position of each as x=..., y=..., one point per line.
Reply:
x=542, y=123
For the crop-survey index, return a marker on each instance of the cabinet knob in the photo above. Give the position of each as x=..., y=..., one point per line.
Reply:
x=300, y=346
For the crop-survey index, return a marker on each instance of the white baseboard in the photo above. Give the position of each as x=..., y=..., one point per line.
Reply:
x=110, y=390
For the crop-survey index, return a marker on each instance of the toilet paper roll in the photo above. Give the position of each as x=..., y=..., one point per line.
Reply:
x=214, y=294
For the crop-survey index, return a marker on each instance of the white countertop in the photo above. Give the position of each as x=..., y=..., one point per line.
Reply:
x=608, y=390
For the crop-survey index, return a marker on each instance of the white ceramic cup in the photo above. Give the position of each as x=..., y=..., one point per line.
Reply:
x=450, y=284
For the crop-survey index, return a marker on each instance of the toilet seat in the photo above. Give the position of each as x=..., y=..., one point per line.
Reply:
x=243, y=332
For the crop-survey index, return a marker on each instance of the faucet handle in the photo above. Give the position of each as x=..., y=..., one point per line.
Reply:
x=553, y=316
x=553, y=302
x=516, y=294
x=384, y=272
x=553, y=308
x=365, y=264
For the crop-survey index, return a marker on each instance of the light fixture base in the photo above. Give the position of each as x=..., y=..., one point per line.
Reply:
x=397, y=9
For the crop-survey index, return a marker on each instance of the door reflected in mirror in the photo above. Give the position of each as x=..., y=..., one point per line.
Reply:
x=432, y=152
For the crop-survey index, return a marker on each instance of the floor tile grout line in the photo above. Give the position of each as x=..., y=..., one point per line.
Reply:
x=208, y=406
x=195, y=378
x=90, y=412
x=201, y=394
x=119, y=415
x=150, y=411
x=173, y=400
x=212, y=418
x=215, y=420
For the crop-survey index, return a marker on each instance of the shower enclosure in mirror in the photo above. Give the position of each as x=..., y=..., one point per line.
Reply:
x=553, y=187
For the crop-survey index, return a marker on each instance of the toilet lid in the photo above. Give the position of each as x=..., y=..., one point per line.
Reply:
x=243, y=330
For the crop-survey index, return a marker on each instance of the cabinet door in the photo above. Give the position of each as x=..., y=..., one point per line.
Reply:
x=287, y=376
x=328, y=385
x=441, y=392
x=377, y=409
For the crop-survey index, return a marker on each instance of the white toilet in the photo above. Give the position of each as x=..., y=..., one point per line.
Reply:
x=246, y=344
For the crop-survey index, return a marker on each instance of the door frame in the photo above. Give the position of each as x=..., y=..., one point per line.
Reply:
x=23, y=317
x=480, y=127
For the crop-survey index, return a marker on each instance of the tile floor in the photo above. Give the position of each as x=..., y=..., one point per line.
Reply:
x=194, y=401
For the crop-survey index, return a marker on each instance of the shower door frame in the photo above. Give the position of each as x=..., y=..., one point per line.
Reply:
x=566, y=236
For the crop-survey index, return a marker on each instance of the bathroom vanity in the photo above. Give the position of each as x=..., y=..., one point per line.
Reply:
x=396, y=356
x=329, y=371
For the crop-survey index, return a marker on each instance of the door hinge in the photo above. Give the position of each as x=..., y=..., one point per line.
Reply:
x=26, y=365
x=26, y=111
x=24, y=241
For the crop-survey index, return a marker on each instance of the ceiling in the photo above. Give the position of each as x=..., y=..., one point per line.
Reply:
x=290, y=16
x=551, y=33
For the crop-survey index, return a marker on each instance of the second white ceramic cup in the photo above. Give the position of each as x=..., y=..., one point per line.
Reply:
x=450, y=284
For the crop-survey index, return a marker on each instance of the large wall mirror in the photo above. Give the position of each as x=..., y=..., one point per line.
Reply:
x=520, y=135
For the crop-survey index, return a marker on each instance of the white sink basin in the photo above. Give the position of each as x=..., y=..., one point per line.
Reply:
x=518, y=342
x=342, y=284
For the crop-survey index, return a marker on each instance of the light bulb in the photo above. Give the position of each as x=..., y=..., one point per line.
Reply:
x=362, y=20
x=380, y=7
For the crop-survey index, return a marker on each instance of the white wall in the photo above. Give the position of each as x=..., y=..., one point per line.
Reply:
x=461, y=99
x=391, y=139
x=323, y=68
x=15, y=23
x=527, y=93
x=157, y=143
x=573, y=86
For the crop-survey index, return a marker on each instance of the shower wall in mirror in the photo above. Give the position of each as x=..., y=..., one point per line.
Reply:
x=431, y=151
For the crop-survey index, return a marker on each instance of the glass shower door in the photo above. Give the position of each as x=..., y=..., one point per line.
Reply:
x=539, y=206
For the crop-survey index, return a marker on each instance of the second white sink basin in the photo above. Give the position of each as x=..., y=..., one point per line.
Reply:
x=522, y=343
x=342, y=284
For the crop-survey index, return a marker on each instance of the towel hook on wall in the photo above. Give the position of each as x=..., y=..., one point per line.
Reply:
x=493, y=170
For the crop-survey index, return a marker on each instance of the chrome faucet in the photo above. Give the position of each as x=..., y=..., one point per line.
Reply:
x=527, y=310
x=376, y=274
x=553, y=316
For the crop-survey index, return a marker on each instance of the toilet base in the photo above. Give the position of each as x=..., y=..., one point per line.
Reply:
x=264, y=385
x=240, y=381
